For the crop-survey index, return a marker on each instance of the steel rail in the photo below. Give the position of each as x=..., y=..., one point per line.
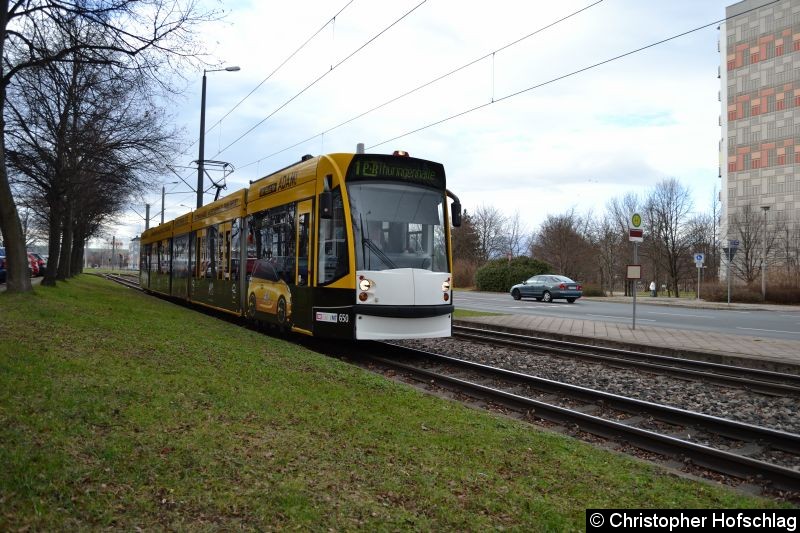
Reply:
x=765, y=381
x=712, y=458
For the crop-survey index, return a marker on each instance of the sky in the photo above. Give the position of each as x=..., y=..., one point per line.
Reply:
x=538, y=143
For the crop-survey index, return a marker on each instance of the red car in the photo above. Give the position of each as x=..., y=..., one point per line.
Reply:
x=34, y=265
x=40, y=262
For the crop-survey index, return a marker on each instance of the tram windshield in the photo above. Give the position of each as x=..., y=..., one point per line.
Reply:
x=398, y=226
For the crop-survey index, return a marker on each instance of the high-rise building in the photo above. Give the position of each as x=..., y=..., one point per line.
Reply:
x=760, y=119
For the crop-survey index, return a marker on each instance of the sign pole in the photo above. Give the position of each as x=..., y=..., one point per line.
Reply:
x=698, y=281
x=635, y=262
x=728, y=275
x=635, y=235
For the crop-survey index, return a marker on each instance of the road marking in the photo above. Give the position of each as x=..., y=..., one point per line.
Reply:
x=677, y=314
x=621, y=317
x=772, y=330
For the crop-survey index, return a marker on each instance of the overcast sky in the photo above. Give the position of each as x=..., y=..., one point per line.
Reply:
x=575, y=142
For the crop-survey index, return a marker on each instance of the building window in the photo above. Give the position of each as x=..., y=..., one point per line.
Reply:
x=796, y=45
x=731, y=166
x=779, y=49
x=756, y=162
x=756, y=109
x=781, y=159
x=731, y=115
x=779, y=105
x=754, y=57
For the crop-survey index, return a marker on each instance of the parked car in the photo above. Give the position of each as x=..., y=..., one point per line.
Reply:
x=2, y=265
x=547, y=288
x=33, y=264
x=40, y=261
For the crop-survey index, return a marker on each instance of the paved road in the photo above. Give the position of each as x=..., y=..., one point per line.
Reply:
x=778, y=322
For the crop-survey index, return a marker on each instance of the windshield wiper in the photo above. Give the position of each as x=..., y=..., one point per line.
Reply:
x=382, y=256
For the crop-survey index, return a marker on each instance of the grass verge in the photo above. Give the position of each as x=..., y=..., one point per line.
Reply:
x=119, y=410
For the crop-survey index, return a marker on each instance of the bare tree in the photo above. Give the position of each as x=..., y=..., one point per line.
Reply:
x=668, y=207
x=516, y=235
x=490, y=225
x=562, y=242
x=145, y=35
x=607, y=241
x=748, y=226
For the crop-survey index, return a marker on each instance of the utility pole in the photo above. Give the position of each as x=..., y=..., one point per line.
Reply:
x=146, y=217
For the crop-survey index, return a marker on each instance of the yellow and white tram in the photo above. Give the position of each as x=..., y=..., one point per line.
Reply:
x=350, y=246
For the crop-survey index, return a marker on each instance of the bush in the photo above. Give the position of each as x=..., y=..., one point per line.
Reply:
x=776, y=294
x=464, y=273
x=593, y=290
x=498, y=275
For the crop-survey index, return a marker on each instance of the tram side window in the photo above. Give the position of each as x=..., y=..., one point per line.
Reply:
x=203, y=258
x=235, y=247
x=271, y=235
x=145, y=265
x=304, y=268
x=212, y=237
x=223, y=251
x=333, y=260
x=163, y=257
x=180, y=256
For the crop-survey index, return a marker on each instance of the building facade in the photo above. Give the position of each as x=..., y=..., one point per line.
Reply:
x=760, y=119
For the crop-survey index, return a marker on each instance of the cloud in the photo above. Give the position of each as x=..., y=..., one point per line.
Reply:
x=574, y=142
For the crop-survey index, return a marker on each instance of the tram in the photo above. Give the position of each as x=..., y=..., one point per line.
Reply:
x=349, y=246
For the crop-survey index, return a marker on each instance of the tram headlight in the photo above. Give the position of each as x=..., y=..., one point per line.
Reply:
x=364, y=284
x=446, y=285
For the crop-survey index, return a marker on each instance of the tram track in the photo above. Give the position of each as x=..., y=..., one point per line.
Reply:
x=745, y=451
x=725, y=446
x=761, y=381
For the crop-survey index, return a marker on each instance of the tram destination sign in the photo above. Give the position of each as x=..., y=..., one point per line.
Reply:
x=396, y=168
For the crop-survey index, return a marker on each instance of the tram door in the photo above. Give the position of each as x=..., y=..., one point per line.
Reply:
x=302, y=299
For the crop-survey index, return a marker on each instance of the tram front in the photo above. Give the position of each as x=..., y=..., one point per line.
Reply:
x=401, y=243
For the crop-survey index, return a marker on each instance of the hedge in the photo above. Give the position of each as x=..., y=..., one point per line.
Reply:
x=498, y=275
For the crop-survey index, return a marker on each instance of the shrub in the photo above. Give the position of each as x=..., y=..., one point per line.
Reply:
x=593, y=290
x=464, y=273
x=776, y=294
x=499, y=275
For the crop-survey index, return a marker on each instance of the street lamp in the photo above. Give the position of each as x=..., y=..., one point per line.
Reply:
x=201, y=155
x=764, y=208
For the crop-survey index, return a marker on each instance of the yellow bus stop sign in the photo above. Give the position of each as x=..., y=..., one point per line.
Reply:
x=636, y=220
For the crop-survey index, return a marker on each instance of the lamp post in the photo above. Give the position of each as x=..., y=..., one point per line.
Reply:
x=201, y=155
x=764, y=208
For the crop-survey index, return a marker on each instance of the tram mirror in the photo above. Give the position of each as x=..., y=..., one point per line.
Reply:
x=325, y=205
x=456, y=214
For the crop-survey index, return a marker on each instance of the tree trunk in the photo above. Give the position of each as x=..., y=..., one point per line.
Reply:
x=54, y=244
x=66, y=244
x=18, y=278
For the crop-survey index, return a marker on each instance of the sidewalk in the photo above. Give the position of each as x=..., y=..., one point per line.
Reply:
x=777, y=355
x=694, y=303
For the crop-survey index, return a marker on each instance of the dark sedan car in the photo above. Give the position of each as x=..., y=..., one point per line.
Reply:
x=548, y=287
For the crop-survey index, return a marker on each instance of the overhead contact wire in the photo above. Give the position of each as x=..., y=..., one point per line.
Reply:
x=564, y=76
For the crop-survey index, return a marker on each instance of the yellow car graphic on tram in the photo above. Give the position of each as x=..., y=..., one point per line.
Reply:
x=269, y=297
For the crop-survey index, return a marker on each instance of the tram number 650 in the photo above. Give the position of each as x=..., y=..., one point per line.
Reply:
x=344, y=318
